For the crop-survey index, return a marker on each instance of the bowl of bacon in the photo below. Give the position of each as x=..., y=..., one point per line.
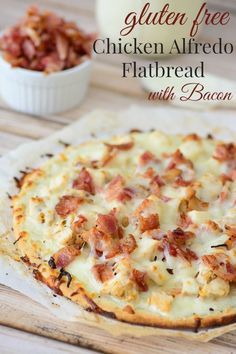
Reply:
x=45, y=64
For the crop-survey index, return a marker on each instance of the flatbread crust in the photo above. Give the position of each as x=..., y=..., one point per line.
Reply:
x=183, y=183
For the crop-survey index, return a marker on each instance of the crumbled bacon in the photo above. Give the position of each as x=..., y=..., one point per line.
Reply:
x=231, y=232
x=78, y=223
x=178, y=159
x=180, y=236
x=122, y=147
x=151, y=222
x=102, y=243
x=65, y=256
x=42, y=41
x=84, y=182
x=108, y=224
x=156, y=184
x=68, y=204
x=157, y=180
x=225, y=152
x=116, y=190
x=146, y=158
x=175, y=241
x=149, y=173
x=102, y=272
x=220, y=266
x=184, y=221
x=140, y=278
x=180, y=182
x=128, y=244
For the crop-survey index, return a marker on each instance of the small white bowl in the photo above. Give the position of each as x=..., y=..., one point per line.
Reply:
x=35, y=93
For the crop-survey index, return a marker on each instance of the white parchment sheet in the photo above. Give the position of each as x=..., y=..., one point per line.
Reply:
x=96, y=124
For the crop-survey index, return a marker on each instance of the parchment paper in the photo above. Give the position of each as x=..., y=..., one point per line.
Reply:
x=101, y=124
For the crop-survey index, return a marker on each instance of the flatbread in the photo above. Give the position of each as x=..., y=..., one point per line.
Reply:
x=139, y=227
x=69, y=133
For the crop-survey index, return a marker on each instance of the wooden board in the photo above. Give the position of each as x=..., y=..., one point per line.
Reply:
x=26, y=325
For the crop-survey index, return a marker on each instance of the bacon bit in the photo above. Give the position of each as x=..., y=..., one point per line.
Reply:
x=125, y=195
x=102, y=272
x=180, y=236
x=42, y=41
x=157, y=180
x=28, y=49
x=122, y=147
x=156, y=184
x=175, y=250
x=129, y=310
x=150, y=222
x=220, y=266
x=185, y=221
x=175, y=240
x=213, y=226
x=223, y=196
x=146, y=158
x=108, y=224
x=171, y=248
x=102, y=244
x=65, y=256
x=231, y=232
x=116, y=190
x=67, y=205
x=178, y=159
x=150, y=173
x=84, y=182
x=180, y=182
x=189, y=255
x=79, y=223
x=128, y=244
x=146, y=203
x=225, y=152
x=140, y=278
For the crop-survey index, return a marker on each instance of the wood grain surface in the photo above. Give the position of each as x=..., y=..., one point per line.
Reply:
x=27, y=327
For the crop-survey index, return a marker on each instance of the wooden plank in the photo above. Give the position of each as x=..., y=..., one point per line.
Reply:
x=26, y=126
x=14, y=341
x=20, y=312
